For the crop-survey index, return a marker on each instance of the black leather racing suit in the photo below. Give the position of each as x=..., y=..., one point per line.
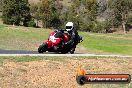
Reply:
x=72, y=42
x=74, y=38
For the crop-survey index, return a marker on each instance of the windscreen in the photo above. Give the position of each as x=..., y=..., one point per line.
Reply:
x=58, y=35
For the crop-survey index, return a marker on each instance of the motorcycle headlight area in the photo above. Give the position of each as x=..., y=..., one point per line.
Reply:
x=52, y=38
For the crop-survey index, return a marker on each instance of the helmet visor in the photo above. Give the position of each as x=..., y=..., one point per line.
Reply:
x=68, y=27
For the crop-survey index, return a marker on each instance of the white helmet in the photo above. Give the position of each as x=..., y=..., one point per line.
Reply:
x=69, y=26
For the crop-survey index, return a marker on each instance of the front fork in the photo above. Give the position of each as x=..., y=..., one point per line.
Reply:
x=73, y=49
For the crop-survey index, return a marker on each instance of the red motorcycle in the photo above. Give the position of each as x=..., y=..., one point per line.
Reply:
x=55, y=43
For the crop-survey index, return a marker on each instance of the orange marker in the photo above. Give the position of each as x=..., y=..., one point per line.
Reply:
x=81, y=71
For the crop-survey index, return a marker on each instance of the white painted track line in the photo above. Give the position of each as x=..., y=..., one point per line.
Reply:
x=68, y=55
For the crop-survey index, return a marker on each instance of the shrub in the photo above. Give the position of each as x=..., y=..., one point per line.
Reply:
x=31, y=23
x=129, y=23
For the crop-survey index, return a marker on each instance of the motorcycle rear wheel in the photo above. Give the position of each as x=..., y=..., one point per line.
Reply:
x=42, y=48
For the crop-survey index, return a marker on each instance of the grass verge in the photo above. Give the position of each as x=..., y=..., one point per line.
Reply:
x=27, y=38
x=28, y=58
x=102, y=43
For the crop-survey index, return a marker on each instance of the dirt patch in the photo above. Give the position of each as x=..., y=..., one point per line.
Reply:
x=81, y=50
x=55, y=74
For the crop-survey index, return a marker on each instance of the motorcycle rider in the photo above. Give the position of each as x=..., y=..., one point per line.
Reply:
x=74, y=34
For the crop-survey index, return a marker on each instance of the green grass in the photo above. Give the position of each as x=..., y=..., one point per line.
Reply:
x=28, y=59
x=61, y=59
x=2, y=26
x=112, y=85
x=103, y=43
x=27, y=38
x=22, y=38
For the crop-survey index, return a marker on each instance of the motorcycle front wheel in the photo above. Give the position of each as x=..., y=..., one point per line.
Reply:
x=42, y=48
x=72, y=51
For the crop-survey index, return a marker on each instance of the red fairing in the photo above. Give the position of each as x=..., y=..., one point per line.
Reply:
x=49, y=44
x=67, y=37
x=52, y=41
x=52, y=33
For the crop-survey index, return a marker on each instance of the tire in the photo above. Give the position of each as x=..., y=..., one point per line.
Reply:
x=64, y=52
x=72, y=51
x=80, y=80
x=42, y=48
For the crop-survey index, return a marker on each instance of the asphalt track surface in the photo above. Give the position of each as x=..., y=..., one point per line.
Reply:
x=35, y=53
x=24, y=52
x=17, y=52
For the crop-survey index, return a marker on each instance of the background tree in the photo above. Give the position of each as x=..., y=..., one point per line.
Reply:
x=34, y=10
x=1, y=1
x=55, y=8
x=25, y=11
x=82, y=13
x=16, y=11
x=121, y=9
x=45, y=13
x=102, y=6
x=129, y=22
x=49, y=12
x=88, y=14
